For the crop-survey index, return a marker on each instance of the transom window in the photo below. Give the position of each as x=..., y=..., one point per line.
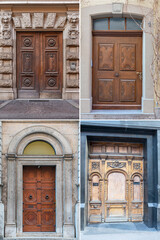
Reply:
x=103, y=24
x=39, y=148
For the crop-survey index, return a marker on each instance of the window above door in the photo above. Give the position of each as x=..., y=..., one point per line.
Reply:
x=123, y=24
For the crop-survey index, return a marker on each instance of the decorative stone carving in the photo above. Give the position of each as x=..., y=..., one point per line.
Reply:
x=6, y=83
x=60, y=22
x=117, y=9
x=95, y=165
x=38, y=20
x=73, y=31
x=17, y=22
x=116, y=164
x=26, y=20
x=6, y=24
x=5, y=43
x=5, y=69
x=50, y=20
x=137, y=166
x=5, y=55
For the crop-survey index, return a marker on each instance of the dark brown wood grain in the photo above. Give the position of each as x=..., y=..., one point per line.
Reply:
x=39, y=203
x=39, y=64
x=117, y=62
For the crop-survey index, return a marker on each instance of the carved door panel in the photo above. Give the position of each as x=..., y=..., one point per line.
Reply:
x=117, y=71
x=39, y=64
x=39, y=203
x=115, y=182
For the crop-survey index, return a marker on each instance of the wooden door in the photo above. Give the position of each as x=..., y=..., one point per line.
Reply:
x=39, y=64
x=39, y=203
x=117, y=70
x=115, y=182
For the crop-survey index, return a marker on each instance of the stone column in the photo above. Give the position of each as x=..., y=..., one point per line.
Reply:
x=10, y=229
x=158, y=186
x=1, y=185
x=68, y=227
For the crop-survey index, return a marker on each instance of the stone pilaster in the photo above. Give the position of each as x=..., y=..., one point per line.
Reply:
x=158, y=186
x=1, y=185
x=68, y=227
x=10, y=228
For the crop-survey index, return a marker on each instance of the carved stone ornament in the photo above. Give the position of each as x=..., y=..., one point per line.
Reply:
x=73, y=19
x=116, y=164
x=137, y=166
x=117, y=8
x=6, y=24
x=95, y=165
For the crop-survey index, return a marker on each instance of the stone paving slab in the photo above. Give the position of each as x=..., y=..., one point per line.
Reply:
x=119, y=231
x=39, y=109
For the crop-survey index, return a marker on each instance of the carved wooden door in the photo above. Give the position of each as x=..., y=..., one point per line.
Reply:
x=115, y=182
x=39, y=64
x=117, y=70
x=39, y=203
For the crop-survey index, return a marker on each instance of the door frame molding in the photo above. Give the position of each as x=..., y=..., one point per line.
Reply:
x=89, y=13
x=63, y=163
x=119, y=132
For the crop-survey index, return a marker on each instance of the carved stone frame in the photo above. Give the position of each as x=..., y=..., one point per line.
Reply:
x=63, y=162
x=87, y=14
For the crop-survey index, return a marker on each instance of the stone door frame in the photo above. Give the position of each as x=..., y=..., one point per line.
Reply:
x=63, y=163
x=113, y=10
x=66, y=22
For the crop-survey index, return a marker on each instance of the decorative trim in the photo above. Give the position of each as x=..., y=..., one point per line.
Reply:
x=116, y=164
x=6, y=24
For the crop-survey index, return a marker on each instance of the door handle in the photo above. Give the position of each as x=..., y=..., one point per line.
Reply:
x=47, y=197
x=139, y=74
x=116, y=75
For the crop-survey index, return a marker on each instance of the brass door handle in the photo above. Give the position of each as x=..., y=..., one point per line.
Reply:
x=139, y=75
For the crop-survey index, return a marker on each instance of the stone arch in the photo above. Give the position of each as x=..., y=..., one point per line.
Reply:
x=21, y=139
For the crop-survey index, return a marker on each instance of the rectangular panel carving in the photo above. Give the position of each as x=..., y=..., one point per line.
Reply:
x=127, y=57
x=127, y=90
x=106, y=57
x=51, y=60
x=106, y=90
x=27, y=60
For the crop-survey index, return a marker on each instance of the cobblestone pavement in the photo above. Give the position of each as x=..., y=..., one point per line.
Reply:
x=120, y=231
x=39, y=109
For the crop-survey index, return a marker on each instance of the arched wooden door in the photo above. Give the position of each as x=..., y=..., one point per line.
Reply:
x=115, y=182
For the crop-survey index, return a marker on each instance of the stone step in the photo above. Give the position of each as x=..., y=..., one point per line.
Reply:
x=39, y=238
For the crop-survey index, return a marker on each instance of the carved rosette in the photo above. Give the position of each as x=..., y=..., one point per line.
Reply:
x=6, y=24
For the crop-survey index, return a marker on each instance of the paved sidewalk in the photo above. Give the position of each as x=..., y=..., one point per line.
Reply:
x=120, y=231
x=39, y=109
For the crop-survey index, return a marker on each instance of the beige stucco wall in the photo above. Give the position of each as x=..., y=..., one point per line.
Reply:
x=69, y=129
x=145, y=3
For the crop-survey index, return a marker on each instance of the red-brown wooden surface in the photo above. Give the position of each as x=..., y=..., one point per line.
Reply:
x=117, y=70
x=39, y=64
x=39, y=203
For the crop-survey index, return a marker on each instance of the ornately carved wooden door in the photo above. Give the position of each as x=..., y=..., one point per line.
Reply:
x=39, y=203
x=115, y=182
x=39, y=64
x=117, y=70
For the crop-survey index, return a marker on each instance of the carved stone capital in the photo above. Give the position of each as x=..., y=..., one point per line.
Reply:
x=11, y=157
x=6, y=24
x=73, y=19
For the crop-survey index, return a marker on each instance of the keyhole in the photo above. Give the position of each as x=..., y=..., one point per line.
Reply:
x=47, y=196
x=30, y=197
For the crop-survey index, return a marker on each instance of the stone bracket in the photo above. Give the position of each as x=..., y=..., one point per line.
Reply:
x=117, y=9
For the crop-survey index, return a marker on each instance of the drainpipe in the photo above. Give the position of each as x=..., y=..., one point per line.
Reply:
x=77, y=206
x=1, y=204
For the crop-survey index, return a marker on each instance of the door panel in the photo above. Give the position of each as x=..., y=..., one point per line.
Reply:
x=115, y=182
x=39, y=203
x=39, y=64
x=117, y=68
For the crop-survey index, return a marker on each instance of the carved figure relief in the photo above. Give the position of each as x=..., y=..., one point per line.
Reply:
x=116, y=164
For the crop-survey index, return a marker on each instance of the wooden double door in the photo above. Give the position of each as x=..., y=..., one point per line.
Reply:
x=115, y=182
x=39, y=64
x=117, y=70
x=39, y=203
